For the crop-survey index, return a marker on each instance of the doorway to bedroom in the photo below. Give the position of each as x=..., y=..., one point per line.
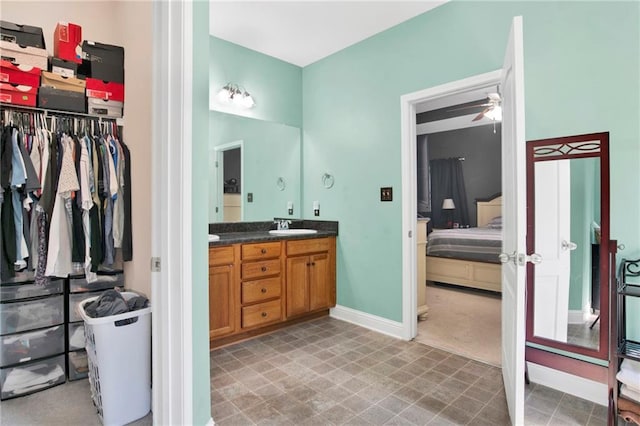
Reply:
x=458, y=182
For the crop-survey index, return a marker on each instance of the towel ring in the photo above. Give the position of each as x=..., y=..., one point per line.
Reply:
x=281, y=184
x=327, y=180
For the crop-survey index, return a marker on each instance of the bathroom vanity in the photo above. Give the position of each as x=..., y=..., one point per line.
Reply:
x=259, y=282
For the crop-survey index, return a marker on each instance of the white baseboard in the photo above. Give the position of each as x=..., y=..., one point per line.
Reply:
x=372, y=322
x=568, y=383
x=576, y=317
x=211, y=422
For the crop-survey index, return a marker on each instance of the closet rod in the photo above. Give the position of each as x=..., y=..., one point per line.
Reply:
x=119, y=121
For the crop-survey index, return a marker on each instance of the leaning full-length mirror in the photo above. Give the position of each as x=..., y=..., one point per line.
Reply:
x=568, y=226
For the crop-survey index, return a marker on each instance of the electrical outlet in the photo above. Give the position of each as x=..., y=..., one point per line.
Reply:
x=250, y=197
x=386, y=194
x=316, y=208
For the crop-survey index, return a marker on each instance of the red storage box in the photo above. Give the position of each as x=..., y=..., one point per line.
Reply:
x=67, y=42
x=19, y=74
x=105, y=90
x=18, y=95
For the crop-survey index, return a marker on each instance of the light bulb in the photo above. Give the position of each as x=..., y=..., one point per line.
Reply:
x=247, y=100
x=224, y=95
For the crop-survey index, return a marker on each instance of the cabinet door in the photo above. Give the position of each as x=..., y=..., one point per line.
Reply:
x=297, y=285
x=221, y=300
x=320, y=283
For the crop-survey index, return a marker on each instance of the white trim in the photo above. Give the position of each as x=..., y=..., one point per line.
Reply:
x=219, y=150
x=568, y=383
x=372, y=322
x=210, y=422
x=409, y=175
x=171, y=218
x=455, y=123
x=576, y=317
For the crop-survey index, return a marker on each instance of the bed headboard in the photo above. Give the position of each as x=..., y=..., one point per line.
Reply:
x=488, y=209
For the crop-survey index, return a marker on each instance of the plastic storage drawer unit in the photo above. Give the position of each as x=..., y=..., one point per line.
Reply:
x=29, y=289
x=105, y=281
x=78, y=367
x=23, y=347
x=76, y=336
x=30, y=377
x=30, y=314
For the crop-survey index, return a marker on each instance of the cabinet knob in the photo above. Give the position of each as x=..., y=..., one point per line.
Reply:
x=263, y=251
x=264, y=290
x=264, y=269
x=264, y=315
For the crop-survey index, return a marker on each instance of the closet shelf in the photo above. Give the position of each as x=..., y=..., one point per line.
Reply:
x=119, y=121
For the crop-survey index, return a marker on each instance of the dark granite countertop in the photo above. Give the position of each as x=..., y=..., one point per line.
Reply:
x=248, y=232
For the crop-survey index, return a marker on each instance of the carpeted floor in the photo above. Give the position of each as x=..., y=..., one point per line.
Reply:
x=463, y=322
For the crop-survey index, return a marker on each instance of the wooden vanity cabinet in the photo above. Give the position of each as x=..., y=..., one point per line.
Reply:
x=222, y=290
x=259, y=287
x=311, y=278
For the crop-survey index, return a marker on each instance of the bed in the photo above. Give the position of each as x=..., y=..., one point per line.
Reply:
x=469, y=257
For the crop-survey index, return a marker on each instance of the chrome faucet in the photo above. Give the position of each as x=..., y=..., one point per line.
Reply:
x=282, y=224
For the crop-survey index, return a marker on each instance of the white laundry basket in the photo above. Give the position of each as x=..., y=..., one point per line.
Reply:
x=119, y=354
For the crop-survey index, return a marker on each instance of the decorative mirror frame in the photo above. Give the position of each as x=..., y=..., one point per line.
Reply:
x=594, y=145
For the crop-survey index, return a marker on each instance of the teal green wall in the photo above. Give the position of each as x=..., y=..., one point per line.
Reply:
x=200, y=259
x=581, y=60
x=275, y=85
x=270, y=150
x=584, y=211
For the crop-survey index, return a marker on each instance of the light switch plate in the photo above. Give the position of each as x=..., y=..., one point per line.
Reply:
x=386, y=193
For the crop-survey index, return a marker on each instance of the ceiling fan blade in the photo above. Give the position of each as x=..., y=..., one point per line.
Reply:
x=481, y=115
x=468, y=107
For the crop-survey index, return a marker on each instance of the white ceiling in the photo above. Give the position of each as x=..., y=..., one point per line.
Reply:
x=302, y=32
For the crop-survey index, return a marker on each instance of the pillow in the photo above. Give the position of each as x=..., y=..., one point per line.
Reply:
x=495, y=223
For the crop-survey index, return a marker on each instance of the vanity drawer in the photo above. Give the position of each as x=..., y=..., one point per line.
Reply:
x=314, y=245
x=260, y=269
x=261, y=314
x=261, y=250
x=221, y=255
x=256, y=291
x=23, y=347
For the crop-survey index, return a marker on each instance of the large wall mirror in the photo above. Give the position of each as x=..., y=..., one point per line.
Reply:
x=568, y=226
x=254, y=169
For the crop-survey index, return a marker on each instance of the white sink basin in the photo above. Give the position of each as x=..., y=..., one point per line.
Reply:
x=213, y=237
x=292, y=231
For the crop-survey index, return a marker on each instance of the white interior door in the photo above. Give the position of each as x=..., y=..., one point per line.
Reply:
x=514, y=223
x=553, y=228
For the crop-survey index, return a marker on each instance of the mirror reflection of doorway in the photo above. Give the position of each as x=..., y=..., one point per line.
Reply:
x=228, y=185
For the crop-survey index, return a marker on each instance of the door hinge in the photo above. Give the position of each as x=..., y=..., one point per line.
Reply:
x=155, y=264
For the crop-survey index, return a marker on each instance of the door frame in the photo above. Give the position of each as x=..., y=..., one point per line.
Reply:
x=408, y=104
x=219, y=155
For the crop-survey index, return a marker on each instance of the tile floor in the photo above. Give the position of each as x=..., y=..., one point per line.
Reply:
x=328, y=372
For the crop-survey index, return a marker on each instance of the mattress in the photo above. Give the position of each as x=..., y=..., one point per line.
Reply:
x=479, y=244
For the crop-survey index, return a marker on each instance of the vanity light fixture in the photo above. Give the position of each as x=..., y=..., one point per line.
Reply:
x=232, y=93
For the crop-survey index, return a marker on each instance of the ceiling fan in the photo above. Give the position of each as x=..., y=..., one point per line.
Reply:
x=492, y=110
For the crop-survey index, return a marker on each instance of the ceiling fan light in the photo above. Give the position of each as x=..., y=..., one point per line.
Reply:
x=494, y=113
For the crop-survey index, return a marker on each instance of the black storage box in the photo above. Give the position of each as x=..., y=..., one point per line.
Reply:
x=62, y=67
x=63, y=100
x=102, y=61
x=25, y=35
